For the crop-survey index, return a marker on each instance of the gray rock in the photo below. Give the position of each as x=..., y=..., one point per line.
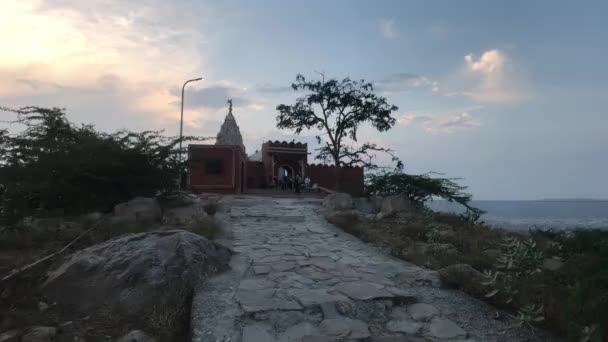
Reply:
x=338, y=201
x=316, y=339
x=444, y=328
x=136, y=336
x=419, y=277
x=39, y=334
x=400, y=313
x=183, y=216
x=329, y=310
x=282, y=320
x=394, y=204
x=131, y=275
x=10, y=336
x=464, y=277
x=264, y=300
x=298, y=331
x=258, y=332
x=364, y=205
x=344, y=327
x=552, y=264
x=422, y=311
x=315, y=297
x=261, y=269
x=344, y=308
x=376, y=202
x=398, y=338
x=139, y=209
x=256, y=284
x=363, y=290
x=404, y=326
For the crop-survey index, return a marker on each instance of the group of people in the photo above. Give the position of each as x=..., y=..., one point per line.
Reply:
x=292, y=183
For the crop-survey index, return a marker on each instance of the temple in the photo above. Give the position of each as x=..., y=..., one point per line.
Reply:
x=225, y=168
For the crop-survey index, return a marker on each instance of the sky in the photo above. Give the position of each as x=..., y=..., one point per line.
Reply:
x=510, y=96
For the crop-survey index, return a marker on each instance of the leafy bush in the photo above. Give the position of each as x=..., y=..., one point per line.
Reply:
x=572, y=299
x=53, y=166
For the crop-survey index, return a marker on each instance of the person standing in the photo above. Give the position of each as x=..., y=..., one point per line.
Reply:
x=296, y=183
x=307, y=183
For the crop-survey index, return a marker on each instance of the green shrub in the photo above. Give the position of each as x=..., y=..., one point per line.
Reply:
x=53, y=166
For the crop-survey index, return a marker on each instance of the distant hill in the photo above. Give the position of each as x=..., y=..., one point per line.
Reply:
x=572, y=199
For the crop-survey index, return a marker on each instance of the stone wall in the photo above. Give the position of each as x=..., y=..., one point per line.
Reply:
x=341, y=179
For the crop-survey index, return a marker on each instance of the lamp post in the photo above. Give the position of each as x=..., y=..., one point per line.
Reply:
x=181, y=125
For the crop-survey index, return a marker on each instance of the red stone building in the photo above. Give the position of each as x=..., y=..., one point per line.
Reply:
x=225, y=168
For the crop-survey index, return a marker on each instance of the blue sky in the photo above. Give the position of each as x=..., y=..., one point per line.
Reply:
x=509, y=95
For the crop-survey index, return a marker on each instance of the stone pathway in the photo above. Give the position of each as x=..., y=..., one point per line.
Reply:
x=298, y=278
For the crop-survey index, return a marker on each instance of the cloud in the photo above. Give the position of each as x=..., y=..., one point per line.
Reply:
x=411, y=118
x=402, y=81
x=215, y=96
x=129, y=53
x=270, y=89
x=388, y=28
x=491, y=78
x=440, y=124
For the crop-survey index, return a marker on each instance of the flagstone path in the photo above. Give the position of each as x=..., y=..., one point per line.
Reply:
x=296, y=277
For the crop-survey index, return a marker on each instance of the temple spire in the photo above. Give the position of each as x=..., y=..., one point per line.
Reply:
x=229, y=133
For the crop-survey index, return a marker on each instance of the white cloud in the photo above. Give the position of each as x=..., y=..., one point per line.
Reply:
x=140, y=50
x=489, y=62
x=401, y=81
x=490, y=78
x=445, y=123
x=388, y=28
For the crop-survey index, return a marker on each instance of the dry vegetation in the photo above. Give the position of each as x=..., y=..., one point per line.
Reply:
x=571, y=300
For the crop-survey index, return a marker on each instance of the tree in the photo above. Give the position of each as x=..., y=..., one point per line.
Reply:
x=338, y=109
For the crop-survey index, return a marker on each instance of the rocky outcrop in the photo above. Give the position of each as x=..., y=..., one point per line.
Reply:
x=338, y=201
x=392, y=205
x=139, y=209
x=135, y=274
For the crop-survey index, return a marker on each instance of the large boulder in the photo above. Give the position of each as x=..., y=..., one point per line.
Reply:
x=183, y=216
x=364, y=205
x=139, y=209
x=464, y=277
x=136, y=274
x=392, y=205
x=338, y=201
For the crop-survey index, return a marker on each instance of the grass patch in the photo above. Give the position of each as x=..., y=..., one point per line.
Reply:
x=571, y=299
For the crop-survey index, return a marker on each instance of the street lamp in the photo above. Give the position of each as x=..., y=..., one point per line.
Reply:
x=181, y=122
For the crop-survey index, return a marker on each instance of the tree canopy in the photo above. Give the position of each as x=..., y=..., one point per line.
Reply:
x=338, y=108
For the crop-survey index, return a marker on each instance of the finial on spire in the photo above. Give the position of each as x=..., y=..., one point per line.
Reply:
x=229, y=106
